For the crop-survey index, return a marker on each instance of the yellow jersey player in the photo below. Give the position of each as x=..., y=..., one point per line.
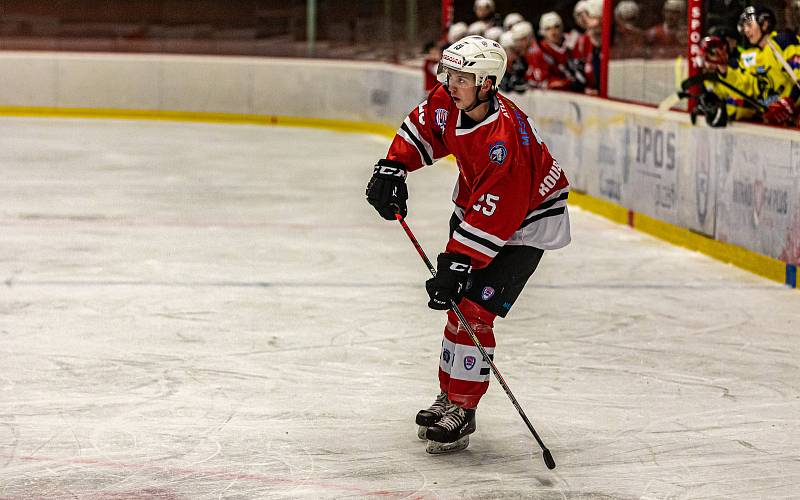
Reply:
x=770, y=67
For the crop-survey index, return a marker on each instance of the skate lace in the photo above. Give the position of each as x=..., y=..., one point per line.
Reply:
x=440, y=405
x=453, y=419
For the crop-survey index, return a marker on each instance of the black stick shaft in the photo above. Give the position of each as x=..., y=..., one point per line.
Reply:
x=548, y=458
x=713, y=77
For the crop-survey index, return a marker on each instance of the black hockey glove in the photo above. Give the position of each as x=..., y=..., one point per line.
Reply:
x=452, y=272
x=713, y=108
x=387, y=190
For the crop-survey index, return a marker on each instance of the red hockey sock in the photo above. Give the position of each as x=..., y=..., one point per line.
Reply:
x=463, y=374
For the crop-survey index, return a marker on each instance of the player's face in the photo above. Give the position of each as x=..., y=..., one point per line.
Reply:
x=592, y=23
x=554, y=34
x=580, y=19
x=483, y=11
x=462, y=88
x=521, y=44
x=672, y=17
x=752, y=31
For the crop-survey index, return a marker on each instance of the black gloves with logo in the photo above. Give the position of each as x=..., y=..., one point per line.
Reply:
x=452, y=272
x=387, y=190
x=714, y=109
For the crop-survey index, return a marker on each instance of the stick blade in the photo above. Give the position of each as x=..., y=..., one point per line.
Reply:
x=548, y=459
x=667, y=103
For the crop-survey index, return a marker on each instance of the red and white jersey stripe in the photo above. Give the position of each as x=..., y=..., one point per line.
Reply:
x=510, y=190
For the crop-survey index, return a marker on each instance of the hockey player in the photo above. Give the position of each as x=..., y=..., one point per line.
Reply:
x=511, y=19
x=525, y=43
x=771, y=68
x=716, y=58
x=516, y=66
x=581, y=46
x=456, y=32
x=579, y=16
x=628, y=39
x=485, y=11
x=510, y=206
x=668, y=39
x=433, y=52
x=554, y=65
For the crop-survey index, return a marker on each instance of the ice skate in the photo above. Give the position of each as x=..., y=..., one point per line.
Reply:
x=428, y=417
x=451, y=432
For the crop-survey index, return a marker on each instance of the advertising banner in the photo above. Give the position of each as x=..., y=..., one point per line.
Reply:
x=561, y=125
x=697, y=178
x=758, y=196
x=606, y=155
x=655, y=154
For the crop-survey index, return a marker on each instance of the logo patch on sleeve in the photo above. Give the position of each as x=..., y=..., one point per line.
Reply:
x=498, y=152
x=487, y=293
x=441, y=117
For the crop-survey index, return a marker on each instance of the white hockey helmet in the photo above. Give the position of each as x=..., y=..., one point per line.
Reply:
x=457, y=31
x=507, y=41
x=626, y=10
x=522, y=29
x=675, y=5
x=512, y=19
x=475, y=55
x=549, y=20
x=493, y=33
x=483, y=3
x=477, y=28
x=581, y=6
x=594, y=8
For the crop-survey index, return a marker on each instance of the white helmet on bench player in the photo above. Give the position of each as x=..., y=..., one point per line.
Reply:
x=477, y=55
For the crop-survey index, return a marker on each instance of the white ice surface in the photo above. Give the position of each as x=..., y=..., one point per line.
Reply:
x=193, y=311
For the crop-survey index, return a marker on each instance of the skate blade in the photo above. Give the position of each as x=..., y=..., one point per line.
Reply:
x=435, y=448
x=421, y=430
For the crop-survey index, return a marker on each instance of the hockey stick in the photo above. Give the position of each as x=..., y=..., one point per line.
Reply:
x=548, y=458
x=673, y=99
x=777, y=52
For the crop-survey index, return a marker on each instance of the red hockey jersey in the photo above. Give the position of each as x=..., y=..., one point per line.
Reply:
x=583, y=51
x=548, y=66
x=429, y=68
x=510, y=191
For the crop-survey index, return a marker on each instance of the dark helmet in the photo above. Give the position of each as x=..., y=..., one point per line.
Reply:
x=714, y=49
x=723, y=31
x=758, y=14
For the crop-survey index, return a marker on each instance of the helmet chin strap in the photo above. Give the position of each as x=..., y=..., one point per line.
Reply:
x=478, y=100
x=764, y=34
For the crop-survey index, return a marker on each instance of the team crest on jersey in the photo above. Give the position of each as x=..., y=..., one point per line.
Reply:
x=469, y=362
x=487, y=293
x=498, y=152
x=441, y=117
x=446, y=356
